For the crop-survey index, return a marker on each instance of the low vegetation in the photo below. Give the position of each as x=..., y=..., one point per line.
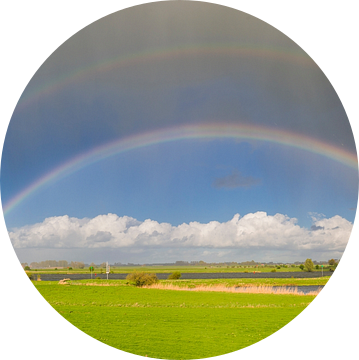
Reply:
x=141, y=278
x=175, y=276
x=234, y=289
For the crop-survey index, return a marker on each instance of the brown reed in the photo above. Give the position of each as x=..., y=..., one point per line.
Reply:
x=242, y=289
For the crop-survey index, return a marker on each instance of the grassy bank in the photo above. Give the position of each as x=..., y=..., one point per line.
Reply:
x=171, y=324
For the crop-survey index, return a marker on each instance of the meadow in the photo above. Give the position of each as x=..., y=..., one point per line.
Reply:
x=170, y=324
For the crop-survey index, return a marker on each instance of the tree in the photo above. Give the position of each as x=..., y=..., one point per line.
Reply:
x=308, y=265
x=301, y=267
x=77, y=264
x=331, y=262
x=62, y=263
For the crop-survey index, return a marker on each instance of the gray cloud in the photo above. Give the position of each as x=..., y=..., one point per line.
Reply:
x=235, y=180
x=315, y=228
x=100, y=236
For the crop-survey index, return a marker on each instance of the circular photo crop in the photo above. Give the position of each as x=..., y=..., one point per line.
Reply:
x=175, y=174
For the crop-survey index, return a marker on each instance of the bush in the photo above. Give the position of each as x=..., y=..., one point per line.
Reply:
x=27, y=268
x=278, y=267
x=174, y=276
x=273, y=270
x=301, y=266
x=29, y=275
x=308, y=265
x=141, y=278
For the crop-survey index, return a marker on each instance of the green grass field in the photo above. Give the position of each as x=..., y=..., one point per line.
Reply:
x=169, y=324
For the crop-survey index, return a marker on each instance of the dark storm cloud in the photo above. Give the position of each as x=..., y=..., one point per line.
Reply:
x=235, y=180
x=176, y=89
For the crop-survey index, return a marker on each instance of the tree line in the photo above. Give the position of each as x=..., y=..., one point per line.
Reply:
x=309, y=265
x=54, y=264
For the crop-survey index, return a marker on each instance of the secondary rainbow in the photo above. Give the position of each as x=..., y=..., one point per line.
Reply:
x=109, y=65
x=186, y=132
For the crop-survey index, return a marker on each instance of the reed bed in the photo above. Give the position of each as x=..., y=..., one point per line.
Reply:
x=234, y=289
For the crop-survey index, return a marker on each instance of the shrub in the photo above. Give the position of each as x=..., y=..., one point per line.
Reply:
x=278, y=267
x=274, y=270
x=70, y=268
x=174, y=276
x=141, y=278
x=29, y=275
x=27, y=268
x=308, y=265
x=301, y=266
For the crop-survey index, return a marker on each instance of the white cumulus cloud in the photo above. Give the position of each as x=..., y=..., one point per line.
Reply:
x=253, y=231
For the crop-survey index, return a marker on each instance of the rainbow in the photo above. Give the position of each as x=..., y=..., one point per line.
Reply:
x=229, y=50
x=241, y=132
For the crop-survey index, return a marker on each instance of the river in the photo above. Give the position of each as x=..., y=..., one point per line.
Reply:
x=163, y=276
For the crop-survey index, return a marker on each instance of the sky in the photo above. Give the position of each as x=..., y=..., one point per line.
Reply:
x=173, y=67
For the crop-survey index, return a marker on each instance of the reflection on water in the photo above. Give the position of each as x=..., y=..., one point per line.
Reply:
x=304, y=289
